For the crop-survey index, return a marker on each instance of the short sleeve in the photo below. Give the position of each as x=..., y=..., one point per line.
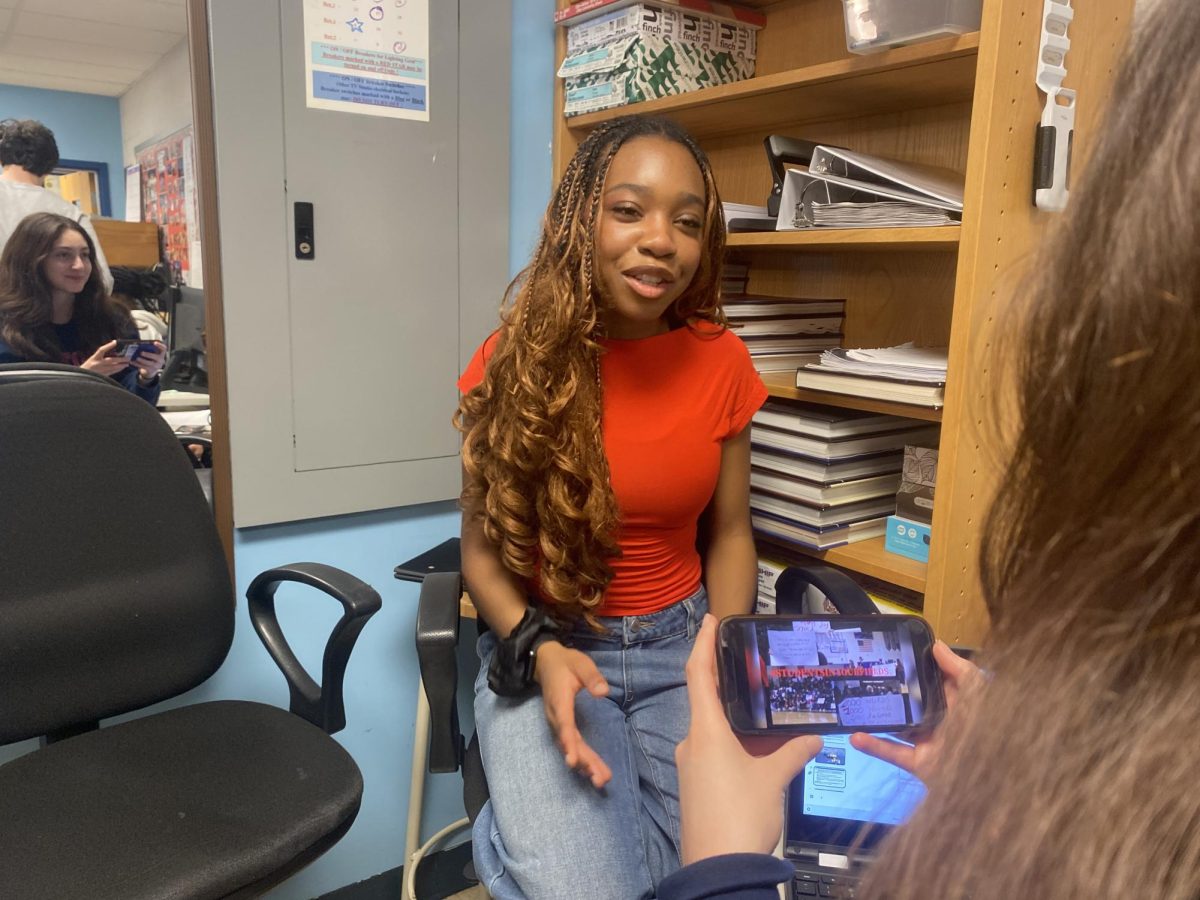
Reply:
x=747, y=391
x=472, y=375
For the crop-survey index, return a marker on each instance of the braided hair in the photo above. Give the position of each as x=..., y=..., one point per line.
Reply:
x=538, y=477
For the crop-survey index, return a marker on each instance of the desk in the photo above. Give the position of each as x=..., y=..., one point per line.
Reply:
x=172, y=400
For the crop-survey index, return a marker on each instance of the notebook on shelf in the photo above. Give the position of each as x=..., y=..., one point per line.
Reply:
x=824, y=471
x=787, y=532
x=823, y=421
x=825, y=495
x=875, y=387
x=801, y=512
x=840, y=448
x=840, y=796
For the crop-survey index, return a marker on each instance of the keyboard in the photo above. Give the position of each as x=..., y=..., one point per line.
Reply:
x=811, y=884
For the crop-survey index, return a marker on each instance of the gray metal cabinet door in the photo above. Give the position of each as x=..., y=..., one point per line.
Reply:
x=373, y=326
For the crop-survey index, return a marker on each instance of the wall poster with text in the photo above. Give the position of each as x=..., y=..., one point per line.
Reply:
x=368, y=56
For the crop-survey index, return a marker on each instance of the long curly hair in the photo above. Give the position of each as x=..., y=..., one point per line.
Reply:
x=532, y=450
x=26, y=304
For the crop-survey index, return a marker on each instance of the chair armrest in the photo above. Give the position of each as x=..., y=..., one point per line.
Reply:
x=437, y=642
x=847, y=597
x=321, y=704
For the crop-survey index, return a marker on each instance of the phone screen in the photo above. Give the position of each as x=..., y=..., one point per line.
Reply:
x=828, y=674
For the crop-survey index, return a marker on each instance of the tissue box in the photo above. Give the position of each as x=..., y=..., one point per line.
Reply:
x=914, y=499
x=644, y=67
x=665, y=22
x=907, y=538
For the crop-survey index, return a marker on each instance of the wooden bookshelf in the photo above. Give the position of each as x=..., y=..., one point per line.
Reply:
x=782, y=385
x=834, y=240
x=134, y=244
x=966, y=103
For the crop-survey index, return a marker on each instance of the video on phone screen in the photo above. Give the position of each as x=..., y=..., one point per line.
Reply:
x=822, y=673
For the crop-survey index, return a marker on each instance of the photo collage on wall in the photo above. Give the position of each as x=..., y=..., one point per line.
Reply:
x=169, y=199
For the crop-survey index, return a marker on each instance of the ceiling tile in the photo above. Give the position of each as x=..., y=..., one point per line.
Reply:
x=83, y=32
x=143, y=14
x=68, y=69
x=60, y=83
x=90, y=54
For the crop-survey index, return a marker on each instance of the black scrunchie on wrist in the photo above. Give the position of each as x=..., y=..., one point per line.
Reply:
x=510, y=673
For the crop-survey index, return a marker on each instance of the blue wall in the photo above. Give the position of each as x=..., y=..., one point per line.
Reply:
x=85, y=126
x=532, y=125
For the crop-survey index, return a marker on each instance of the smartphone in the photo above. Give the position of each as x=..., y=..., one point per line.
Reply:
x=818, y=674
x=132, y=348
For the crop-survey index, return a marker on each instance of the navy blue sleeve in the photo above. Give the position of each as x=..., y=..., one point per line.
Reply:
x=128, y=379
x=736, y=876
x=8, y=355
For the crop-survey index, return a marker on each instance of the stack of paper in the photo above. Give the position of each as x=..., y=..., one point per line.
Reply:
x=732, y=210
x=882, y=214
x=906, y=362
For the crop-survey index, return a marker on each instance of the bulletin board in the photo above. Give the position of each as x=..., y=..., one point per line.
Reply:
x=169, y=199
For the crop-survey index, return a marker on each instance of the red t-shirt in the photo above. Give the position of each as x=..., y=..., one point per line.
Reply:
x=669, y=402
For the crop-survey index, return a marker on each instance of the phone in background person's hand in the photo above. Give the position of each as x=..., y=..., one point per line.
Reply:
x=132, y=348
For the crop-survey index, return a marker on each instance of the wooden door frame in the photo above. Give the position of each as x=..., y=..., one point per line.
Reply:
x=214, y=308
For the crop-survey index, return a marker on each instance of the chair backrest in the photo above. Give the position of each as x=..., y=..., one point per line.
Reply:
x=114, y=592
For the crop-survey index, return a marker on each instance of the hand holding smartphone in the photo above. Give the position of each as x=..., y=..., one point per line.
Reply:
x=132, y=348
x=817, y=674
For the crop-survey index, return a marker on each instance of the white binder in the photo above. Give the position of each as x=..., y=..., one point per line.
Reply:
x=868, y=191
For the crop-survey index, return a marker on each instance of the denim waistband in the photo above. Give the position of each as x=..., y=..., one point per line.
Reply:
x=683, y=616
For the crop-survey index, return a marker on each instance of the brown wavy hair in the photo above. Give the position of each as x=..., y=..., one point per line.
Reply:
x=26, y=305
x=1068, y=776
x=537, y=474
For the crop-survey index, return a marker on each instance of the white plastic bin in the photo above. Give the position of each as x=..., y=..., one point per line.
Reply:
x=873, y=25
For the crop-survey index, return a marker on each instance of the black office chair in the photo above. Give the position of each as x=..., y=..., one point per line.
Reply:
x=114, y=594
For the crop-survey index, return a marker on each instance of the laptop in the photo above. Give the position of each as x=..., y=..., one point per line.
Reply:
x=840, y=793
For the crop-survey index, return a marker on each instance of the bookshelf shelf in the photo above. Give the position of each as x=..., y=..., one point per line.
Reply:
x=780, y=384
x=869, y=558
x=833, y=240
x=930, y=74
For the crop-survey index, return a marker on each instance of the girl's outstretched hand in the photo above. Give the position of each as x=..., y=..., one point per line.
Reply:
x=921, y=758
x=730, y=790
x=562, y=674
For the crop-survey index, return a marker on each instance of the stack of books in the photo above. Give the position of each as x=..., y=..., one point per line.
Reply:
x=903, y=374
x=823, y=477
x=734, y=279
x=784, y=333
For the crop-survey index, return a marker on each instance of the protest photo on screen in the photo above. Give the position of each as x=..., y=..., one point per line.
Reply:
x=820, y=672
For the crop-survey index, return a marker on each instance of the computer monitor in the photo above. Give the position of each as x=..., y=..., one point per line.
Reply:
x=187, y=365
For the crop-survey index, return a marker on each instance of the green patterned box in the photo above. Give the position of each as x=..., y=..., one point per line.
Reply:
x=644, y=67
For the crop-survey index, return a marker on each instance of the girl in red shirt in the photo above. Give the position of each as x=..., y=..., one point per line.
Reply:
x=602, y=420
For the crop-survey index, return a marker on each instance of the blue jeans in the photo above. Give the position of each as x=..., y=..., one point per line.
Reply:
x=546, y=832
